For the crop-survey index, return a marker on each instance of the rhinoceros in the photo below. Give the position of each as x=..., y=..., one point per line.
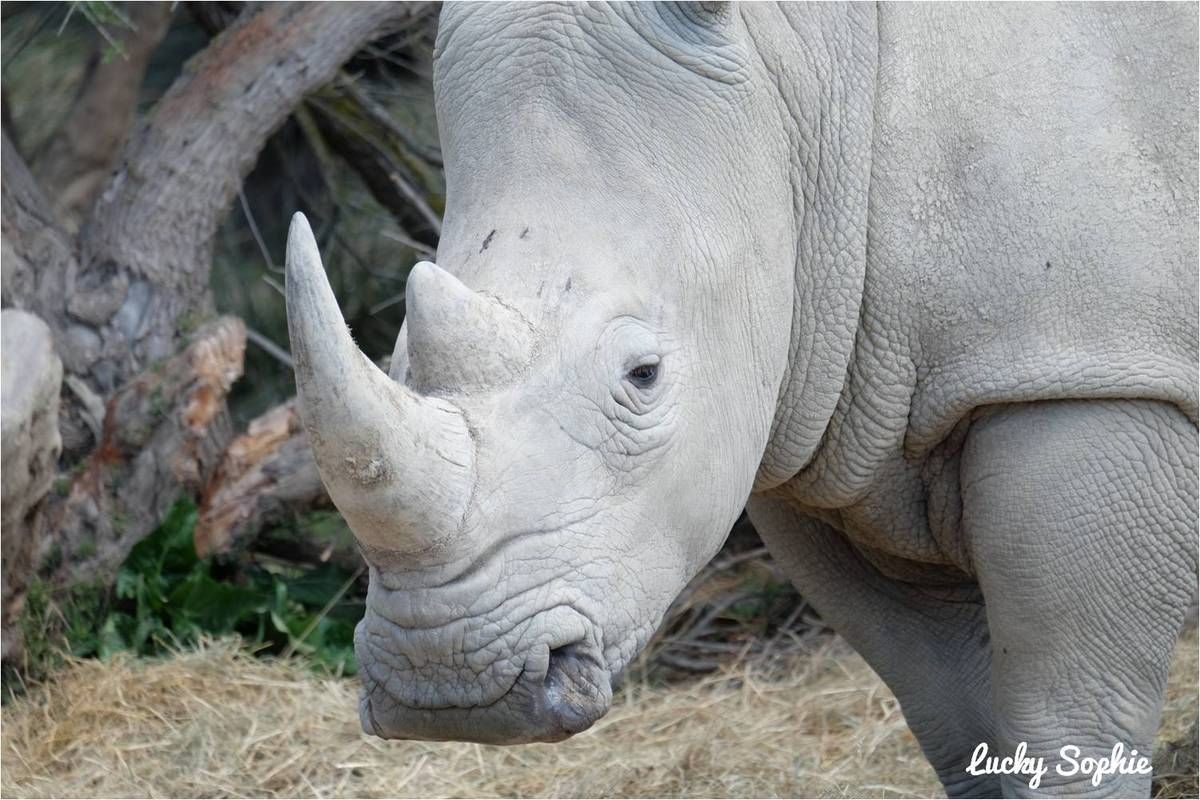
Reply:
x=916, y=284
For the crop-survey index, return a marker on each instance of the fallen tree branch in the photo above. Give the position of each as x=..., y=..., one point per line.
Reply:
x=164, y=432
x=266, y=482
x=266, y=477
x=122, y=299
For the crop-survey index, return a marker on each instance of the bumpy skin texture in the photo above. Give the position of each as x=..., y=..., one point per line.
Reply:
x=920, y=281
x=1030, y=242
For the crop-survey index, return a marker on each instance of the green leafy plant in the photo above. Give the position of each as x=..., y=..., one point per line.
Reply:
x=103, y=16
x=166, y=597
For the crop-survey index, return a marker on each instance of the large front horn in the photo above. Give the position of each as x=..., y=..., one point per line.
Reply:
x=398, y=465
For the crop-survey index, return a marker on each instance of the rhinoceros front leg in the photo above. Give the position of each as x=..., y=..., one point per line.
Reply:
x=1081, y=522
x=932, y=649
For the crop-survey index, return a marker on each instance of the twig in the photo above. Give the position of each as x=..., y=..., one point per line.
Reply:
x=66, y=19
x=272, y=349
x=411, y=69
x=317, y=144
x=382, y=162
x=99, y=25
x=740, y=558
x=274, y=284
x=718, y=647
x=688, y=664
x=719, y=607
x=418, y=202
x=262, y=245
x=381, y=117
x=713, y=569
x=388, y=303
x=406, y=240
x=290, y=650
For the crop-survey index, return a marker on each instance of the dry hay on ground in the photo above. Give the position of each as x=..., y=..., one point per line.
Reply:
x=217, y=721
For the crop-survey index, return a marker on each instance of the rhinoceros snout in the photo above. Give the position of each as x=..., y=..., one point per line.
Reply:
x=543, y=681
x=575, y=691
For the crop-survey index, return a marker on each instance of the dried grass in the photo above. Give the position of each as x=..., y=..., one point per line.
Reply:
x=1176, y=756
x=216, y=721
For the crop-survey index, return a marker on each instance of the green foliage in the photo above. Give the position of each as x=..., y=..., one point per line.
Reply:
x=53, y=628
x=103, y=16
x=166, y=597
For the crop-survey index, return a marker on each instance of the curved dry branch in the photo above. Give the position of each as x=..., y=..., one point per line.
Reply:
x=145, y=252
x=266, y=476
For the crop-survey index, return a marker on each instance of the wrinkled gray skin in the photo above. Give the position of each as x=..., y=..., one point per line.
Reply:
x=919, y=281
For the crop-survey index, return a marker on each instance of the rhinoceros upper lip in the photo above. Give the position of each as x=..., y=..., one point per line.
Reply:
x=574, y=693
x=576, y=653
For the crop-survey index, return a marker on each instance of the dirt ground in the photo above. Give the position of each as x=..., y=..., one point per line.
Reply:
x=217, y=721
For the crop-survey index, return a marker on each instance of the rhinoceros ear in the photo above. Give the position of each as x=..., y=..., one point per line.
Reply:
x=460, y=340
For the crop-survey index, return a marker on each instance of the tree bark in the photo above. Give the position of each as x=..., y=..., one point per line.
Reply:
x=75, y=164
x=31, y=378
x=266, y=476
x=39, y=256
x=38, y=261
x=163, y=434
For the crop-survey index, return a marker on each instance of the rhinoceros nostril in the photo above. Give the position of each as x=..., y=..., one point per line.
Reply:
x=562, y=659
x=572, y=691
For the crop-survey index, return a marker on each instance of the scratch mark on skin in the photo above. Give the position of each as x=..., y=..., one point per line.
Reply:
x=488, y=240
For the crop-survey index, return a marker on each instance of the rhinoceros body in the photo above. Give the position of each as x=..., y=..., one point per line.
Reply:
x=916, y=283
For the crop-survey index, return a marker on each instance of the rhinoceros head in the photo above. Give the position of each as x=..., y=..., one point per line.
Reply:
x=571, y=424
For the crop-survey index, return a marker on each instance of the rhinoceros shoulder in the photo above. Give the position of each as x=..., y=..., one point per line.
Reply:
x=1033, y=204
x=1030, y=228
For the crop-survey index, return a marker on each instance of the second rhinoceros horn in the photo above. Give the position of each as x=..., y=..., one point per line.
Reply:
x=399, y=465
x=458, y=339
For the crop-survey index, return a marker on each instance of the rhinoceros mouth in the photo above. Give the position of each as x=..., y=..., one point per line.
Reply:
x=559, y=690
x=572, y=694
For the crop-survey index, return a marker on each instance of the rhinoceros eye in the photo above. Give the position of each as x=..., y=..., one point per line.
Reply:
x=643, y=375
x=714, y=14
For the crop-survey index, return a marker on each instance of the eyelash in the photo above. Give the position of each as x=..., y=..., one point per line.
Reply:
x=643, y=376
